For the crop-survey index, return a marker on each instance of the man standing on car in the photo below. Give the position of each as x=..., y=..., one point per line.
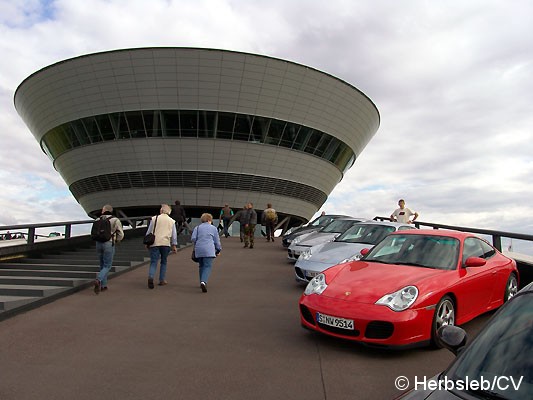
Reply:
x=403, y=214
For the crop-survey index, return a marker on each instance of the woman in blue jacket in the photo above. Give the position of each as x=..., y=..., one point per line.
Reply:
x=206, y=247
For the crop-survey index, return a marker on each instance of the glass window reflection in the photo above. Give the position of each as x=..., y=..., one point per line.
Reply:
x=197, y=124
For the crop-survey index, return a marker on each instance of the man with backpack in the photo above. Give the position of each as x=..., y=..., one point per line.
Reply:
x=106, y=232
x=269, y=219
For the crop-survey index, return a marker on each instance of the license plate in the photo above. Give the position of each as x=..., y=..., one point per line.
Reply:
x=337, y=322
x=311, y=274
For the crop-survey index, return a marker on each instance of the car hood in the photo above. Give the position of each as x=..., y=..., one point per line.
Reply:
x=335, y=252
x=306, y=231
x=430, y=395
x=367, y=282
x=317, y=238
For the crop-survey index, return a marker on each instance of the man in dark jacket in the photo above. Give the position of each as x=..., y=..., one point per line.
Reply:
x=249, y=220
x=178, y=215
x=237, y=217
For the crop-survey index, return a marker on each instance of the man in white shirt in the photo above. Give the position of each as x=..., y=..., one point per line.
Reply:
x=403, y=214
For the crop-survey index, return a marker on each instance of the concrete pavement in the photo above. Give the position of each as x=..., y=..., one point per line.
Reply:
x=240, y=340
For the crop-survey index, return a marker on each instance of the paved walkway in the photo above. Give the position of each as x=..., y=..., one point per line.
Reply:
x=241, y=340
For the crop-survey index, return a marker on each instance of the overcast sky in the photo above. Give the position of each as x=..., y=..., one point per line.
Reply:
x=453, y=82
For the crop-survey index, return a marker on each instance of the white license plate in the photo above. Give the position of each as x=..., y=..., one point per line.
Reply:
x=337, y=322
x=311, y=274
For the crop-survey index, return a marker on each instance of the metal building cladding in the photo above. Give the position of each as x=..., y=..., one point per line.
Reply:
x=138, y=127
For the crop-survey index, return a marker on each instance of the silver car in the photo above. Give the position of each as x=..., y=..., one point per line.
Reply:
x=345, y=247
x=324, y=235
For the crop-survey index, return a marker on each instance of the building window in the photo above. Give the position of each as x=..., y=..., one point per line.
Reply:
x=196, y=124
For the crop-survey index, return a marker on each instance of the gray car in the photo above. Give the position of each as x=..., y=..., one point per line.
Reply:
x=326, y=234
x=313, y=226
x=345, y=247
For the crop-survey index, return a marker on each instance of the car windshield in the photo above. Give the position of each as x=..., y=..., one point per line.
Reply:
x=439, y=252
x=323, y=220
x=338, y=226
x=502, y=353
x=365, y=233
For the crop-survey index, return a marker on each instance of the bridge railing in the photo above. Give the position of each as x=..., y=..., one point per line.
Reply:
x=496, y=235
x=28, y=232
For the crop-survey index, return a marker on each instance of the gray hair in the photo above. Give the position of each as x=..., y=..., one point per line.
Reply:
x=206, y=217
x=107, y=207
x=165, y=209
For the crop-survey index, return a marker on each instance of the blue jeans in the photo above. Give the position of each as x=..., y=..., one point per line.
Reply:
x=206, y=263
x=155, y=253
x=225, y=222
x=105, y=252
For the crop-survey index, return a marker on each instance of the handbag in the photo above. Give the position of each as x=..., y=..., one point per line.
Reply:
x=193, y=256
x=149, y=238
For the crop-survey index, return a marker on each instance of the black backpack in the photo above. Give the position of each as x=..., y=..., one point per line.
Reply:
x=101, y=230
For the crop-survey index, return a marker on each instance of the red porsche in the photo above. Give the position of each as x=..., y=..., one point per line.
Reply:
x=406, y=287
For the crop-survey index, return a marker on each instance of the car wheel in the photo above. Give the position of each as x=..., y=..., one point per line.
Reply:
x=444, y=315
x=511, y=288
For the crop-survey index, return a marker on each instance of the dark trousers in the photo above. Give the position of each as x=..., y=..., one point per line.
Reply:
x=225, y=223
x=270, y=230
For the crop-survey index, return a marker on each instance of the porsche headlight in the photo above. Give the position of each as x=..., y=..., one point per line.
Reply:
x=355, y=257
x=296, y=240
x=306, y=255
x=401, y=299
x=316, y=285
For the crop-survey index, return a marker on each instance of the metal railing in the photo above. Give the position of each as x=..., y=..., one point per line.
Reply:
x=496, y=235
x=28, y=231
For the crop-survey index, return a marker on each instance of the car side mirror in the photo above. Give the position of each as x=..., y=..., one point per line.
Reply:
x=365, y=251
x=452, y=338
x=475, y=262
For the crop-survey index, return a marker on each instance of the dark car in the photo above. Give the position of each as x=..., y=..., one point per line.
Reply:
x=314, y=225
x=497, y=364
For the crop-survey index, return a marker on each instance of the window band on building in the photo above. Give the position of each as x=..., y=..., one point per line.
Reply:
x=198, y=125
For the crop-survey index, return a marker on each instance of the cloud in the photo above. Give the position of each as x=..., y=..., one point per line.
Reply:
x=452, y=81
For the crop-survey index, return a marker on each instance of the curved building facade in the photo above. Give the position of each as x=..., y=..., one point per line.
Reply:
x=139, y=127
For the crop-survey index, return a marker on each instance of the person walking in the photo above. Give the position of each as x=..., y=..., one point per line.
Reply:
x=107, y=232
x=225, y=216
x=403, y=214
x=237, y=217
x=166, y=240
x=249, y=220
x=269, y=219
x=178, y=214
x=206, y=247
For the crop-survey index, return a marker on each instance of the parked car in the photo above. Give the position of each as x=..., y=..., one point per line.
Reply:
x=499, y=360
x=313, y=226
x=408, y=286
x=324, y=235
x=344, y=248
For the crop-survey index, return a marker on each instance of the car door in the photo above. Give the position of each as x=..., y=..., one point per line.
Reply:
x=476, y=283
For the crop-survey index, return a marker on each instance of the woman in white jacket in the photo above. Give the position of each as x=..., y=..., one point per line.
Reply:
x=166, y=240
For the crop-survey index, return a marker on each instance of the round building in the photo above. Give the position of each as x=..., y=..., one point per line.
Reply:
x=139, y=127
